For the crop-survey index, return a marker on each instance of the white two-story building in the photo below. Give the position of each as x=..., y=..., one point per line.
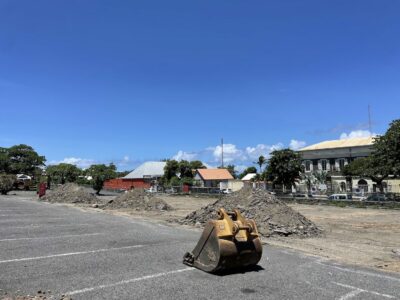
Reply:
x=332, y=156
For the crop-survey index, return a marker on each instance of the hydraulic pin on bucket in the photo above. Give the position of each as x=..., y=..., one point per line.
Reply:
x=227, y=243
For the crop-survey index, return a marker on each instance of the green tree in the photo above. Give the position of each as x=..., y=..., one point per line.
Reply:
x=122, y=173
x=260, y=162
x=309, y=180
x=384, y=160
x=23, y=159
x=175, y=181
x=321, y=176
x=4, y=161
x=197, y=164
x=249, y=170
x=368, y=167
x=184, y=169
x=63, y=173
x=171, y=169
x=284, y=167
x=100, y=173
x=187, y=180
x=231, y=169
x=386, y=150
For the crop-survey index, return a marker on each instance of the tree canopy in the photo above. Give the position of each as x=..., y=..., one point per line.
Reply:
x=63, y=173
x=261, y=162
x=386, y=150
x=231, y=170
x=249, y=170
x=182, y=171
x=384, y=160
x=284, y=167
x=100, y=173
x=20, y=159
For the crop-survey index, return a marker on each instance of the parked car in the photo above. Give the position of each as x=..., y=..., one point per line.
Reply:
x=170, y=190
x=227, y=191
x=340, y=197
x=302, y=195
x=377, y=197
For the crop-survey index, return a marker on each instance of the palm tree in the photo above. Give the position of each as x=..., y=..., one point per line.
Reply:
x=309, y=180
x=260, y=162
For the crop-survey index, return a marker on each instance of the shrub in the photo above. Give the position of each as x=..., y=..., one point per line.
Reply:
x=6, y=183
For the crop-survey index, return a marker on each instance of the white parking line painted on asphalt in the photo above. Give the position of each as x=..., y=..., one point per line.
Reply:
x=359, y=272
x=351, y=294
x=46, y=225
x=127, y=281
x=41, y=218
x=68, y=254
x=356, y=290
x=49, y=237
x=25, y=215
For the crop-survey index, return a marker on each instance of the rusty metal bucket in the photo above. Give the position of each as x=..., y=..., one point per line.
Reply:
x=230, y=242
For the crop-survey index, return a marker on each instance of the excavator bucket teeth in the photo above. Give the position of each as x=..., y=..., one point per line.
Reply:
x=231, y=242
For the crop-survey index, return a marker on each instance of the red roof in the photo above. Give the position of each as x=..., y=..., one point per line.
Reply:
x=214, y=174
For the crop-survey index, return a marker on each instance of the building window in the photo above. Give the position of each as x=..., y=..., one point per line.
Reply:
x=308, y=166
x=324, y=165
x=363, y=185
x=341, y=164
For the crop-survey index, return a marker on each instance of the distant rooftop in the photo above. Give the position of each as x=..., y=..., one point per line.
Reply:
x=149, y=169
x=344, y=143
x=215, y=174
x=249, y=176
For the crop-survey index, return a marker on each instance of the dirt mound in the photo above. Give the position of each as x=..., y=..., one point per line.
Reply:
x=272, y=216
x=138, y=199
x=70, y=193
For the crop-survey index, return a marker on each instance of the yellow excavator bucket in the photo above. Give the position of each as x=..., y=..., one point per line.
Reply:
x=230, y=242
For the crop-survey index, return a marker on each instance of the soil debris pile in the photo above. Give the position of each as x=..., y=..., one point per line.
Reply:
x=272, y=216
x=138, y=199
x=70, y=193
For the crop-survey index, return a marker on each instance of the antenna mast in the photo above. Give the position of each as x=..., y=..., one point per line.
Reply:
x=222, y=152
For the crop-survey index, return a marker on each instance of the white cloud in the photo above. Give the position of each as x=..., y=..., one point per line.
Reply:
x=182, y=155
x=124, y=161
x=296, y=144
x=79, y=162
x=356, y=133
x=231, y=153
x=240, y=157
x=254, y=153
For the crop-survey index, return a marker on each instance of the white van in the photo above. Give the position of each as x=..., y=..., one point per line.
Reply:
x=340, y=197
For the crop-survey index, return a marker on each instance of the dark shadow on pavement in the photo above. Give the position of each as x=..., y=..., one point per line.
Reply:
x=256, y=268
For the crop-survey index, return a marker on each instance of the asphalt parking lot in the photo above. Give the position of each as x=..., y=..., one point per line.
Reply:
x=94, y=255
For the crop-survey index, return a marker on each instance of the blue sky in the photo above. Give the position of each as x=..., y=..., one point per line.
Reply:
x=128, y=81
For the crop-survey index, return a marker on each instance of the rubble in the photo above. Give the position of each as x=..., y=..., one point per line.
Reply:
x=70, y=193
x=272, y=216
x=138, y=199
x=41, y=295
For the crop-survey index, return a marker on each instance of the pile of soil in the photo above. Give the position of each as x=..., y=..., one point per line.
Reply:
x=272, y=216
x=70, y=193
x=138, y=199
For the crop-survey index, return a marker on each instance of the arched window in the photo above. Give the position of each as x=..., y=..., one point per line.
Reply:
x=363, y=185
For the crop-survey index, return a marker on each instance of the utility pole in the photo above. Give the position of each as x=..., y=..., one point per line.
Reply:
x=369, y=120
x=222, y=152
